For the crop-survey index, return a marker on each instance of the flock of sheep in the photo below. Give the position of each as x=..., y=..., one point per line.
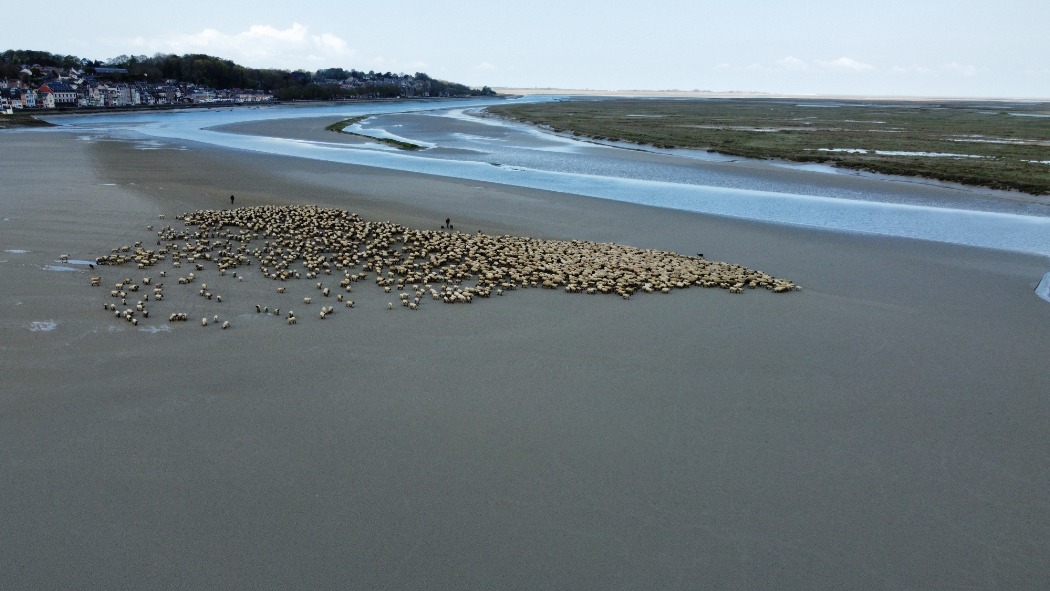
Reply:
x=292, y=242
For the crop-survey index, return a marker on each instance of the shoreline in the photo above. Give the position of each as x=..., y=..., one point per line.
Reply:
x=539, y=439
x=761, y=175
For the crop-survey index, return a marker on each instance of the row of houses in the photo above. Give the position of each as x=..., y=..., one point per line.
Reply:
x=86, y=93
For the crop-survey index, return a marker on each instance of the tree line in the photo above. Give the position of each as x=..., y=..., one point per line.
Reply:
x=218, y=73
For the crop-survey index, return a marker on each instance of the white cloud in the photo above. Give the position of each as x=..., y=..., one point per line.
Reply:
x=912, y=69
x=792, y=64
x=958, y=69
x=485, y=67
x=846, y=63
x=796, y=65
x=259, y=46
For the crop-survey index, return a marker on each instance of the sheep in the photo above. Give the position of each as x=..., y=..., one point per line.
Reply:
x=204, y=322
x=225, y=324
x=390, y=305
x=307, y=300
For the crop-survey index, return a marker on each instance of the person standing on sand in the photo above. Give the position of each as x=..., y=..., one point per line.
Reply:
x=231, y=199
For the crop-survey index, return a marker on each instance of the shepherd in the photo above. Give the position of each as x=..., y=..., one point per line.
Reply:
x=231, y=199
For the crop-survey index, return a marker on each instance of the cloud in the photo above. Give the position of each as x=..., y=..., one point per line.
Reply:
x=792, y=64
x=965, y=70
x=485, y=67
x=848, y=64
x=259, y=46
x=912, y=69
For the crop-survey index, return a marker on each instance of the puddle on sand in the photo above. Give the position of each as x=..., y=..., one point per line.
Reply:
x=43, y=325
x=17, y=251
x=155, y=329
x=58, y=268
x=1043, y=289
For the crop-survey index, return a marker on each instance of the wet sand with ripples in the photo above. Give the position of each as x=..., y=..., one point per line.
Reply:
x=884, y=427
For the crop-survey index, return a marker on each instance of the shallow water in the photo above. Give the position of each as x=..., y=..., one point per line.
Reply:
x=1043, y=289
x=465, y=146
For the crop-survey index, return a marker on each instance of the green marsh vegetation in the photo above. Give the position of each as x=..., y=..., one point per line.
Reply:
x=342, y=125
x=999, y=145
x=21, y=120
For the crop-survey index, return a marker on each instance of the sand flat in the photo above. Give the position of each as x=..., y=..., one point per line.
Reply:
x=883, y=428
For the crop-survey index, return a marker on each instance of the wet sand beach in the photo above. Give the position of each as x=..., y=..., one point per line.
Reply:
x=884, y=428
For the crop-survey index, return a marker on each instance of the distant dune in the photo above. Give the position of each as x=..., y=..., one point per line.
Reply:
x=748, y=94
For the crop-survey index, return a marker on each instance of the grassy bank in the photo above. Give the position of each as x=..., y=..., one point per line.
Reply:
x=341, y=126
x=990, y=144
x=21, y=120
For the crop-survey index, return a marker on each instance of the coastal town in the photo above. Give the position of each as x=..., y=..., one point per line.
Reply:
x=173, y=81
x=71, y=88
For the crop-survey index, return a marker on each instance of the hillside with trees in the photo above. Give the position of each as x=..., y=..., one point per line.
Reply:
x=218, y=73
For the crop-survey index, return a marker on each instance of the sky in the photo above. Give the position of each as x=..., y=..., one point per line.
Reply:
x=927, y=48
